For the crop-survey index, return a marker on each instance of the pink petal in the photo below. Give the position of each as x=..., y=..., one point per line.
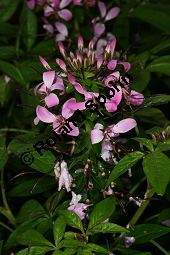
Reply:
x=79, y=88
x=61, y=28
x=65, y=14
x=135, y=98
x=44, y=115
x=31, y=4
x=48, y=78
x=48, y=11
x=36, y=121
x=112, y=13
x=111, y=106
x=44, y=63
x=58, y=84
x=80, y=42
x=51, y=100
x=49, y=28
x=77, y=2
x=124, y=126
x=112, y=64
x=99, y=29
x=67, y=111
x=61, y=64
x=64, y=3
x=102, y=8
x=126, y=65
x=40, y=89
x=75, y=131
x=60, y=37
x=112, y=45
x=97, y=135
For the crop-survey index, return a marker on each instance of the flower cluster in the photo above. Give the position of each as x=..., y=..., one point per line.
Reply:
x=55, y=12
x=86, y=74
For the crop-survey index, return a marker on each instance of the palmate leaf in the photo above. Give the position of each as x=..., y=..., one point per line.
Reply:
x=101, y=212
x=156, y=166
x=124, y=164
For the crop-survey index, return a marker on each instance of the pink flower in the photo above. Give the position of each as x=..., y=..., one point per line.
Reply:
x=57, y=6
x=61, y=172
x=90, y=3
x=123, y=126
x=77, y=207
x=134, y=98
x=50, y=83
x=98, y=23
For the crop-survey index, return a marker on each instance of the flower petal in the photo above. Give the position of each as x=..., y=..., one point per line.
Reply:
x=62, y=29
x=124, y=126
x=51, y=100
x=99, y=29
x=112, y=64
x=126, y=65
x=48, y=78
x=44, y=63
x=112, y=13
x=102, y=8
x=64, y=3
x=44, y=115
x=96, y=136
x=65, y=14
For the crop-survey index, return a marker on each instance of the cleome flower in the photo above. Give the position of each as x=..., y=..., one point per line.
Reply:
x=99, y=134
x=77, y=207
x=61, y=172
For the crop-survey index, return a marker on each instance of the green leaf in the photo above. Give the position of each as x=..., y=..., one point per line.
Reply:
x=157, y=18
x=44, y=163
x=33, y=237
x=82, y=251
x=156, y=166
x=141, y=81
x=146, y=232
x=161, y=64
x=145, y=142
x=72, y=219
x=12, y=72
x=101, y=212
x=156, y=100
x=7, y=9
x=8, y=29
x=124, y=164
x=37, y=250
x=72, y=243
x=164, y=146
x=97, y=248
x=108, y=228
x=152, y=116
x=161, y=46
x=8, y=52
x=31, y=186
x=58, y=230
x=29, y=21
x=30, y=210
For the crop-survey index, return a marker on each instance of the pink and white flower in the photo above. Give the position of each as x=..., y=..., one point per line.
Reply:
x=77, y=207
x=61, y=172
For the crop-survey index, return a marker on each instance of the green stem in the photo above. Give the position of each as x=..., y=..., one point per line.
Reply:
x=137, y=185
x=6, y=211
x=15, y=130
x=159, y=247
x=5, y=226
x=141, y=209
